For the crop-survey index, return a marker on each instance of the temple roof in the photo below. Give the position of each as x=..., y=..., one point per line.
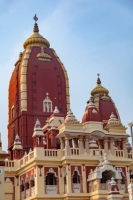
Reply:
x=100, y=106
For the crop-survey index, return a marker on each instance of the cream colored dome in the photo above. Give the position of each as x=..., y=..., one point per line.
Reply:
x=36, y=39
x=99, y=89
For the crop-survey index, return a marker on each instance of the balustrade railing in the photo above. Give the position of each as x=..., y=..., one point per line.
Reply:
x=31, y=154
x=49, y=152
x=98, y=152
x=9, y=163
x=130, y=155
x=119, y=153
x=26, y=158
x=74, y=151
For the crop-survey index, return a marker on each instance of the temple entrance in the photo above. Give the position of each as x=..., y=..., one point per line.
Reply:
x=107, y=175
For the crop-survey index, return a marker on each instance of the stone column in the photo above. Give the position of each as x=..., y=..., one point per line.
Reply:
x=39, y=178
x=124, y=147
x=127, y=175
x=119, y=183
x=100, y=142
x=53, y=139
x=98, y=184
x=112, y=146
x=62, y=143
x=67, y=147
x=87, y=144
x=84, y=182
x=75, y=142
x=106, y=145
x=72, y=184
x=68, y=179
x=81, y=147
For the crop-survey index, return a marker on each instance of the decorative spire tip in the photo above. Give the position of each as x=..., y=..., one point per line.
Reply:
x=36, y=30
x=35, y=18
x=98, y=80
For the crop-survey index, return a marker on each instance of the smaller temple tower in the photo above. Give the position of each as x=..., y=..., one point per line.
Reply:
x=113, y=192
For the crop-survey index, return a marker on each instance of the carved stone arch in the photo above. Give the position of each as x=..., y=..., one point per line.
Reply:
x=51, y=177
x=96, y=134
x=76, y=170
x=117, y=175
x=51, y=170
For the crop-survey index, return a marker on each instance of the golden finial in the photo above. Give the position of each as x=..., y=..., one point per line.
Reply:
x=35, y=25
x=36, y=39
x=99, y=89
x=98, y=80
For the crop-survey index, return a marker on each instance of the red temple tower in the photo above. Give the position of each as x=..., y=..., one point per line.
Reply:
x=38, y=83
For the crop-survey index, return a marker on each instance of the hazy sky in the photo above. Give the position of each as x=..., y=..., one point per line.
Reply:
x=89, y=36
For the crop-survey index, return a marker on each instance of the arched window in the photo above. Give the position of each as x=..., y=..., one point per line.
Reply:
x=22, y=186
x=47, y=104
x=76, y=177
x=107, y=175
x=51, y=182
x=22, y=192
x=76, y=181
x=32, y=184
x=27, y=192
x=26, y=183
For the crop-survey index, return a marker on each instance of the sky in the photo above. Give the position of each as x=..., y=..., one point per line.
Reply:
x=89, y=36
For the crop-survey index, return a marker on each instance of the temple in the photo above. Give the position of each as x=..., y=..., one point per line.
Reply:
x=51, y=155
